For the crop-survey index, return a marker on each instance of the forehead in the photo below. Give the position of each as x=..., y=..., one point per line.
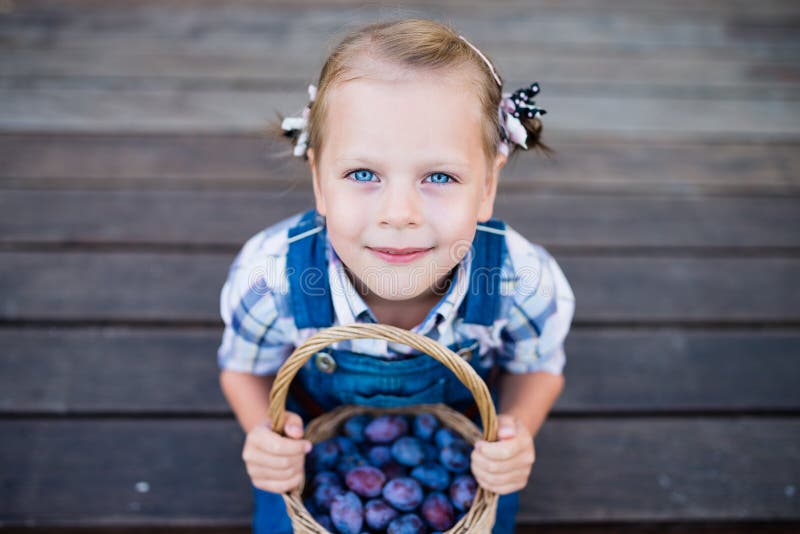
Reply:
x=405, y=118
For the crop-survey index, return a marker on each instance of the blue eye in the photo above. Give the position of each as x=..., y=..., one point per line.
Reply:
x=362, y=175
x=441, y=174
x=365, y=176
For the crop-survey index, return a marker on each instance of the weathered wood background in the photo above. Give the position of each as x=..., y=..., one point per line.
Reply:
x=133, y=165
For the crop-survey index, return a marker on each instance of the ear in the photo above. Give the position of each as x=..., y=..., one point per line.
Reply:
x=486, y=207
x=319, y=199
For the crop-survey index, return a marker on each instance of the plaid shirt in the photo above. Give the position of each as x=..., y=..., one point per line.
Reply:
x=536, y=309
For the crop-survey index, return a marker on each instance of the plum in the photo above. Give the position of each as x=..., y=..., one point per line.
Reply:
x=366, y=480
x=438, y=511
x=326, y=477
x=431, y=452
x=455, y=456
x=432, y=476
x=345, y=444
x=408, y=450
x=404, y=493
x=407, y=524
x=386, y=428
x=394, y=470
x=353, y=428
x=348, y=462
x=347, y=513
x=462, y=491
x=444, y=436
x=323, y=495
x=379, y=455
x=424, y=425
x=378, y=514
x=324, y=455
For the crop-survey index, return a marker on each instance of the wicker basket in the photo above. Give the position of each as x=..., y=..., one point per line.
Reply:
x=481, y=515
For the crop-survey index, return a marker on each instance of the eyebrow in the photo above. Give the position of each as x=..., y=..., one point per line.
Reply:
x=436, y=163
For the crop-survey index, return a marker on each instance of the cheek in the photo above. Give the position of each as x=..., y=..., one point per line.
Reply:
x=344, y=229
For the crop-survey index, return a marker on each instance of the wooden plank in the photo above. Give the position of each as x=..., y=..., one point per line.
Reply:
x=218, y=111
x=264, y=28
x=209, y=161
x=96, y=371
x=705, y=468
x=744, y=7
x=189, y=218
x=151, y=66
x=124, y=286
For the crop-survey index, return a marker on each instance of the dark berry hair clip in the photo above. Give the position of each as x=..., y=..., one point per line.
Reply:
x=514, y=106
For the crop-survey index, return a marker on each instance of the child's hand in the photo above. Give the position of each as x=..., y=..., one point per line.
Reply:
x=504, y=466
x=276, y=463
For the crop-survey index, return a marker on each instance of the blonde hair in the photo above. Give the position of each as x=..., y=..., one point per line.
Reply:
x=413, y=43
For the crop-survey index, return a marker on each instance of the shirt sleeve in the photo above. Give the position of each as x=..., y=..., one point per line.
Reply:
x=539, y=316
x=254, y=340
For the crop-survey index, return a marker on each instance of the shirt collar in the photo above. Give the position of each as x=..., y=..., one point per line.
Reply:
x=350, y=307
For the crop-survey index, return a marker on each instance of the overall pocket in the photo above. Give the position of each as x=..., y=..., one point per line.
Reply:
x=335, y=377
x=432, y=394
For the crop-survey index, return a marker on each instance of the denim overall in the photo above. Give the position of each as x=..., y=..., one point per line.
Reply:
x=339, y=377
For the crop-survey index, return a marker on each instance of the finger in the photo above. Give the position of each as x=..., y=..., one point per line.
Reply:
x=499, y=450
x=269, y=473
x=496, y=479
x=278, y=486
x=257, y=457
x=494, y=467
x=506, y=426
x=294, y=425
x=508, y=488
x=272, y=443
x=499, y=481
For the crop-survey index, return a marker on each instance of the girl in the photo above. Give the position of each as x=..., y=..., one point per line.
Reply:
x=405, y=136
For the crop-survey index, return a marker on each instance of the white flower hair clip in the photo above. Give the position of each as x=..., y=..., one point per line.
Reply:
x=291, y=125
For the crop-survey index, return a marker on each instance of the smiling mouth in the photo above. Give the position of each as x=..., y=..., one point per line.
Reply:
x=399, y=251
x=399, y=255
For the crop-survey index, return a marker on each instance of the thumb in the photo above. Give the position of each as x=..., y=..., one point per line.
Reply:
x=294, y=425
x=506, y=426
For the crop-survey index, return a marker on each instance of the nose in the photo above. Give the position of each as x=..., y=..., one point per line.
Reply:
x=401, y=206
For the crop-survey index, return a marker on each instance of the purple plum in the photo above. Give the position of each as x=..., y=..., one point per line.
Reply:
x=324, y=455
x=455, y=456
x=326, y=477
x=353, y=428
x=438, y=511
x=407, y=524
x=445, y=436
x=378, y=514
x=404, y=493
x=347, y=513
x=379, y=455
x=409, y=451
x=386, y=428
x=462, y=492
x=323, y=495
x=394, y=470
x=432, y=476
x=366, y=480
x=425, y=424
x=348, y=462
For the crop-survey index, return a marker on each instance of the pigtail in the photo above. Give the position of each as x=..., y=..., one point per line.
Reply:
x=533, y=126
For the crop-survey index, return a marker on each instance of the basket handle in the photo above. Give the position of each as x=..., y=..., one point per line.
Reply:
x=463, y=371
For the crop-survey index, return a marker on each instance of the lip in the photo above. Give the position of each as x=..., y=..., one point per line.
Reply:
x=399, y=255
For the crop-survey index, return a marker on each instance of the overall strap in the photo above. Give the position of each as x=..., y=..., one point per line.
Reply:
x=307, y=270
x=481, y=304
